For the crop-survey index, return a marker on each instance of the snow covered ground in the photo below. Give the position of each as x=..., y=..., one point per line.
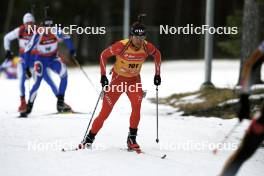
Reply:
x=31, y=146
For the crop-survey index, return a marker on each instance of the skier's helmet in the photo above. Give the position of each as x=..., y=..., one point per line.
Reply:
x=138, y=29
x=28, y=17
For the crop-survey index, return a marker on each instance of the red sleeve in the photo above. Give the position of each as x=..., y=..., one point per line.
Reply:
x=112, y=50
x=153, y=51
x=21, y=28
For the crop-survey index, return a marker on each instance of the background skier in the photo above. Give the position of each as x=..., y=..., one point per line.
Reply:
x=255, y=133
x=46, y=45
x=25, y=65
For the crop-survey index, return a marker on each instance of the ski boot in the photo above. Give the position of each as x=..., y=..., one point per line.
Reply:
x=87, y=143
x=132, y=144
x=23, y=104
x=61, y=106
x=27, y=111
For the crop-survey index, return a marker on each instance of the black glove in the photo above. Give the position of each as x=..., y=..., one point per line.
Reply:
x=244, y=112
x=157, y=80
x=28, y=73
x=104, y=80
x=9, y=55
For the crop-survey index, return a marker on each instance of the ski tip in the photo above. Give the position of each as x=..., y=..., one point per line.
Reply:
x=163, y=156
x=66, y=150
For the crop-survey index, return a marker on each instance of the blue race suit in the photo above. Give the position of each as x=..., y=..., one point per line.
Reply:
x=47, y=49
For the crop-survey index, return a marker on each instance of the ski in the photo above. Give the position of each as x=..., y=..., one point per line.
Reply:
x=25, y=115
x=65, y=113
x=163, y=156
x=79, y=147
x=69, y=149
x=137, y=150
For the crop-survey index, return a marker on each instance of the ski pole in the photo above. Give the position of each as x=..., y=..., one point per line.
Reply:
x=227, y=136
x=85, y=74
x=101, y=93
x=157, y=112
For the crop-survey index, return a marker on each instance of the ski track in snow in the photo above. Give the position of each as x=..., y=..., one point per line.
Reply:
x=106, y=158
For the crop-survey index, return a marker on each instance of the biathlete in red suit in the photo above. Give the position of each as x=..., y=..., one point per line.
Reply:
x=130, y=55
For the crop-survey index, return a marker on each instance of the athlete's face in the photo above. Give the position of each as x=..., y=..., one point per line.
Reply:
x=29, y=24
x=137, y=41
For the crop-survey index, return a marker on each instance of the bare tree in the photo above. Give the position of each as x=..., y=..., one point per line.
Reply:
x=7, y=21
x=252, y=35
